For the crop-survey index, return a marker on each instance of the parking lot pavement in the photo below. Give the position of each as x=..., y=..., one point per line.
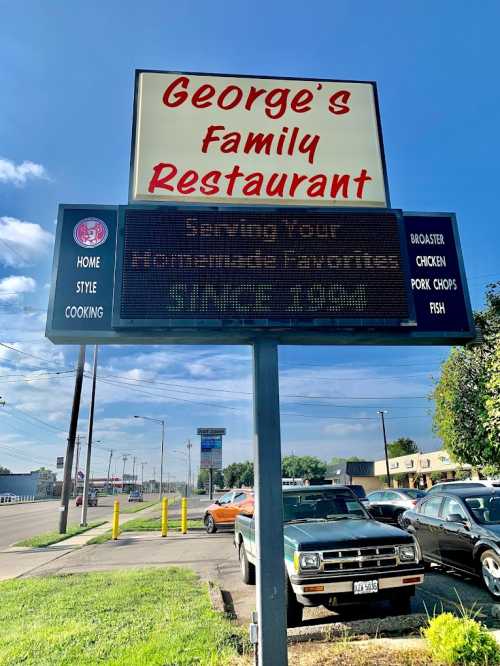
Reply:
x=213, y=557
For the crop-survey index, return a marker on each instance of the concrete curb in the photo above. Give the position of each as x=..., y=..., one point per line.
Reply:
x=400, y=624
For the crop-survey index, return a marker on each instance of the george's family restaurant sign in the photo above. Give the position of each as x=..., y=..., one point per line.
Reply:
x=207, y=138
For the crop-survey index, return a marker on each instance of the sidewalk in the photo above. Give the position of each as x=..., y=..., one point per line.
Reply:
x=22, y=561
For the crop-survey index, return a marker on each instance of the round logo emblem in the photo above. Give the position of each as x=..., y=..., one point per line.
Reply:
x=90, y=232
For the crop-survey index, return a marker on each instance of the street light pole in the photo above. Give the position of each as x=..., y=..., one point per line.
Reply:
x=109, y=470
x=161, y=457
x=86, y=480
x=382, y=412
x=162, y=421
x=189, y=447
x=124, y=458
x=133, y=471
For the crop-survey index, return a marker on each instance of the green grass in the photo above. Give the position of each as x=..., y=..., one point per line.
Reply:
x=146, y=525
x=47, y=539
x=139, y=506
x=153, y=617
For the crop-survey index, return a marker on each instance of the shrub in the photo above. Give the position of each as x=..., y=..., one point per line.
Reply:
x=461, y=640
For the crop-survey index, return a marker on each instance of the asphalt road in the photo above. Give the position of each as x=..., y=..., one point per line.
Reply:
x=20, y=521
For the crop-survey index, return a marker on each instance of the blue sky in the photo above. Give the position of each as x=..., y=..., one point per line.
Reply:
x=67, y=77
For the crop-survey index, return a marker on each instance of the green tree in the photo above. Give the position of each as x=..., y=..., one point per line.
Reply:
x=303, y=467
x=402, y=447
x=239, y=474
x=467, y=414
x=4, y=470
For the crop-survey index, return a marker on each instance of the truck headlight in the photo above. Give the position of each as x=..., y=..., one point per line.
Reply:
x=406, y=553
x=307, y=561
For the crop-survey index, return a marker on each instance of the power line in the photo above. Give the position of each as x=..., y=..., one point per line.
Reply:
x=38, y=358
x=248, y=393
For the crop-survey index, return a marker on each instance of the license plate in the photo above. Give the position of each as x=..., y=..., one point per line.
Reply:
x=365, y=586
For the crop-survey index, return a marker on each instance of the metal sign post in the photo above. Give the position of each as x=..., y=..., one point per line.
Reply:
x=270, y=569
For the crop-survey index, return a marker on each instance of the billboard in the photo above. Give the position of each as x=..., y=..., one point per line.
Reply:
x=211, y=447
x=137, y=275
x=217, y=138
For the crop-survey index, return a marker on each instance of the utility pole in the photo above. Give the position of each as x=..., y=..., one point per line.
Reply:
x=70, y=448
x=109, y=470
x=86, y=480
x=124, y=458
x=77, y=461
x=189, y=447
x=142, y=475
x=133, y=471
x=382, y=412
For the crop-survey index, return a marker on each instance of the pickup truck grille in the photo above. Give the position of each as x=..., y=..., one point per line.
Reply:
x=349, y=559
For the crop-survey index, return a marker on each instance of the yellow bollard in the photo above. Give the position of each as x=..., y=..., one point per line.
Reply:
x=116, y=520
x=184, y=516
x=164, y=517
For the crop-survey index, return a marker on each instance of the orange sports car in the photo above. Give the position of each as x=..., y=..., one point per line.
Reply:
x=223, y=512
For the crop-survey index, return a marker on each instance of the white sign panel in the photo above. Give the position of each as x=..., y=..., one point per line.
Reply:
x=204, y=138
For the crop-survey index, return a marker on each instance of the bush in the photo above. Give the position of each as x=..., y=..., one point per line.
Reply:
x=461, y=640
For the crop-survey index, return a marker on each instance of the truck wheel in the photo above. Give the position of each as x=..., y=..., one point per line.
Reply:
x=293, y=608
x=247, y=569
x=401, y=605
x=210, y=525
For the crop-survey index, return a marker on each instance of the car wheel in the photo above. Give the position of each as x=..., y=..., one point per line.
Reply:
x=401, y=605
x=400, y=521
x=490, y=572
x=247, y=569
x=293, y=608
x=210, y=525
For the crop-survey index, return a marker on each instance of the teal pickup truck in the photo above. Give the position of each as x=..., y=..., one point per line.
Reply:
x=335, y=552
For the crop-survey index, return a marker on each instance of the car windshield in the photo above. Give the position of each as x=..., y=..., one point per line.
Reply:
x=321, y=505
x=485, y=508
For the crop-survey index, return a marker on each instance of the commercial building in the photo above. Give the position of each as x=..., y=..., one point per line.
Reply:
x=38, y=484
x=422, y=470
x=418, y=470
x=360, y=472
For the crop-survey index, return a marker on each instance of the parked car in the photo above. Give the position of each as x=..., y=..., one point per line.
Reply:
x=223, y=512
x=7, y=497
x=444, y=486
x=360, y=493
x=335, y=552
x=460, y=528
x=136, y=496
x=388, y=505
x=92, y=499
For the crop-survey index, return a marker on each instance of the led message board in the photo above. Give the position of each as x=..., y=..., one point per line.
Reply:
x=230, y=266
x=218, y=138
x=318, y=276
x=211, y=447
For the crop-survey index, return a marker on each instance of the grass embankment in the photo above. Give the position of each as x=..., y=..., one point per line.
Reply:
x=139, y=506
x=147, y=616
x=49, y=538
x=147, y=525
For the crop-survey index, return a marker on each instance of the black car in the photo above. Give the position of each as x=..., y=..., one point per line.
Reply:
x=389, y=505
x=460, y=529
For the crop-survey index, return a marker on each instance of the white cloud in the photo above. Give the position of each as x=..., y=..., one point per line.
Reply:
x=22, y=242
x=18, y=174
x=343, y=428
x=15, y=285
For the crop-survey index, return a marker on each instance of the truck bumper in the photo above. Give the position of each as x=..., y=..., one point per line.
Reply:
x=387, y=581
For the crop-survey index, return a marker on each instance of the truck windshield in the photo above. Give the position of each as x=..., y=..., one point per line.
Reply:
x=321, y=505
